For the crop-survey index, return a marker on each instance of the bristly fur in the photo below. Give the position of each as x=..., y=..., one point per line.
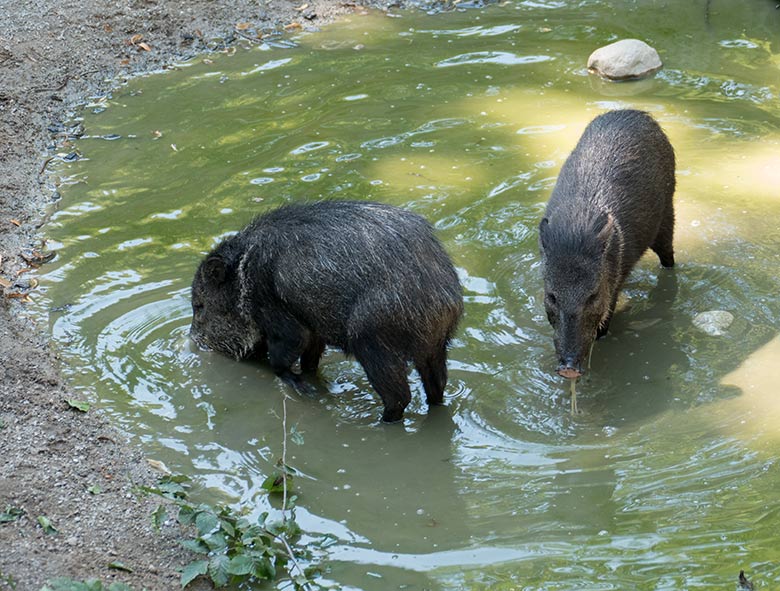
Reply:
x=611, y=202
x=370, y=279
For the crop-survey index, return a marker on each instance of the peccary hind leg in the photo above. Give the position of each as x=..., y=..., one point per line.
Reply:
x=387, y=374
x=433, y=374
x=662, y=245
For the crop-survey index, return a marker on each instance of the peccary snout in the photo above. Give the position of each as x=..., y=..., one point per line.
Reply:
x=570, y=367
x=569, y=372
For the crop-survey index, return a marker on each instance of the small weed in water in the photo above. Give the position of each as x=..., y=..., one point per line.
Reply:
x=235, y=549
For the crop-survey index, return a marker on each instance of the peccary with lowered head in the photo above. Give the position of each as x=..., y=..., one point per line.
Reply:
x=612, y=201
x=369, y=279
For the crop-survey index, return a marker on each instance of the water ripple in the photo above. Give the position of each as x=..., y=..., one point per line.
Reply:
x=504, y=58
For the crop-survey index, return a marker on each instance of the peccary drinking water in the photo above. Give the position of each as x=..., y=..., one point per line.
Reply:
x=368, y=278
x=612, y=201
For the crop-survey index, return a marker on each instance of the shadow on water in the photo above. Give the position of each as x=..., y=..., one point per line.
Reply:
x=398, y=479
x=388, y=493
x=633, y=367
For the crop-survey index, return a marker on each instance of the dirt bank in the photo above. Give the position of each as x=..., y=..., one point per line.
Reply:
x=53, y=55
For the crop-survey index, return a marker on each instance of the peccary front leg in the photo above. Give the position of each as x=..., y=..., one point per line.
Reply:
x=603, y=328
x=387, y=374
x=286, y=340
x=433, y=374
x=260, y=350
x=310, y=358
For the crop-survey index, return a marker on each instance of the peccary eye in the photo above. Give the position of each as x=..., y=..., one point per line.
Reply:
x=592, y=299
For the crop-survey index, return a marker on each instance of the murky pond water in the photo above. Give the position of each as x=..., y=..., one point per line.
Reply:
x=667, y=480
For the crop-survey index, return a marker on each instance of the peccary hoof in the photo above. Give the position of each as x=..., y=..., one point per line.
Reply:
x=299, y=384
x=391, y=416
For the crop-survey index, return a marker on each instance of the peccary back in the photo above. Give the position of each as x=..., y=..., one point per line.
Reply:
x=368, y=278
x=612, y=201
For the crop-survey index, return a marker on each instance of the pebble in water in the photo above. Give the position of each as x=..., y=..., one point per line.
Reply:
x=714, y=322
x=627, y=59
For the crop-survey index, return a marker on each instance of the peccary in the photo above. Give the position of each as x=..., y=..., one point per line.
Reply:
x=369, y=279
x=612, y=201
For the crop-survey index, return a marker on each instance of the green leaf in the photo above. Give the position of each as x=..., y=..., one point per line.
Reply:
x=312, y=571
x=192, y=570
x=198, y=546
x=94, y=489
x=172, y=490
x=227, y=527
x=263, y=568
x=280, y=560
x=186, y=515
x=275, y=528
x=205, y=522
x=327, y=540
x=11, y=514
x=253, y=534
x=216, y=541
x=119, y=587
x=45, y=523
x=81, y=405
x=169, y=486
x=218, y=570
x=240, y=565
x=119, y=566
x=147, y=490
x=275, y=483
x=296, y=436
x=159, y=516
x=293, y=529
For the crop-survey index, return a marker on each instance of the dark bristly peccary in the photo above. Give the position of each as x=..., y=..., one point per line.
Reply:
x=612, y=201
x=370, y=279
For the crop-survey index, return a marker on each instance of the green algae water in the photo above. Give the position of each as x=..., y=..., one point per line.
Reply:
x=667, y=478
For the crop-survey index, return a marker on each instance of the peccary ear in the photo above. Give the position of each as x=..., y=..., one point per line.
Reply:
x=607, y=229
x=543, y=225
x=214, y=269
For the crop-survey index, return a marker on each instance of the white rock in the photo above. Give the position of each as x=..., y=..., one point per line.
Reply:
x=714, y=322
x=626, y=59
